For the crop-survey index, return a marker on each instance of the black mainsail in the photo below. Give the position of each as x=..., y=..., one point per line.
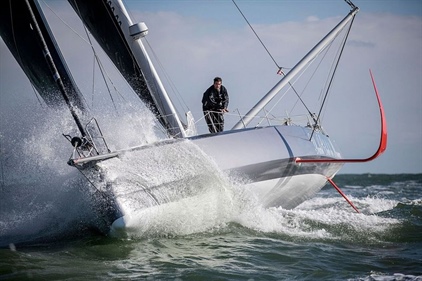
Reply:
x=100, y=19
x=21, y=37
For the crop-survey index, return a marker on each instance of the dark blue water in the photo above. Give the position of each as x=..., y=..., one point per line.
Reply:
x=322, y=239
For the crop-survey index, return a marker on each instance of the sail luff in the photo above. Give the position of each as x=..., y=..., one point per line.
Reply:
x=53, y=69
x=18, y=35
x=295, y=70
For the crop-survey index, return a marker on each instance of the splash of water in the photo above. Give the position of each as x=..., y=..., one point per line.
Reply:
x=41, y=196
x=165, y=190
x=173, y=189
x=178, y=190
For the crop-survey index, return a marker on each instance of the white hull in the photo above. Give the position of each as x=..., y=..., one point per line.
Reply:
x=264, y=158
x=287, y=192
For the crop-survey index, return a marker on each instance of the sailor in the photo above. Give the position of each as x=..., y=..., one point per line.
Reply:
x=214, y=104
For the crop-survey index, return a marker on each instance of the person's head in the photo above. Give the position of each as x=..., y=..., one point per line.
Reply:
x=217, y=83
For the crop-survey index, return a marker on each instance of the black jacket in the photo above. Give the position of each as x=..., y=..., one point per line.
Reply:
x=214, y=100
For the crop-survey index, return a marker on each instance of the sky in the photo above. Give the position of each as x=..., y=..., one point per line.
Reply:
x=194, y=41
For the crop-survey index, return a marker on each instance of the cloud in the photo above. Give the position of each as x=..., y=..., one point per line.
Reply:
x=312, y=19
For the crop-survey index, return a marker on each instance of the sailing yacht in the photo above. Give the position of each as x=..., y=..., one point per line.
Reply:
x=281, y=162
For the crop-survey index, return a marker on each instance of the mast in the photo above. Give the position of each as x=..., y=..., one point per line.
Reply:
x=133, y=34
x=110, y=24
x=295, y=70
x=53, y=69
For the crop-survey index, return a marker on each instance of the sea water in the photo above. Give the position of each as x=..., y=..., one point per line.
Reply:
x=218, y=237
x=48, y=229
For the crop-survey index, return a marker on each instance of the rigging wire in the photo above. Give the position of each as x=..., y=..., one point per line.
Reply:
x=262, y=43
x=299, y=97
x=37, y=95
x=102, y=68
x=93, y=79
x=65, y=23
x=280, y=69
x=332, y=76
x=140, y=93
x=138, y=71
x=331, y=71
x=98, y=60
x=314, y=72
x=172, y=85
x=282, y=96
